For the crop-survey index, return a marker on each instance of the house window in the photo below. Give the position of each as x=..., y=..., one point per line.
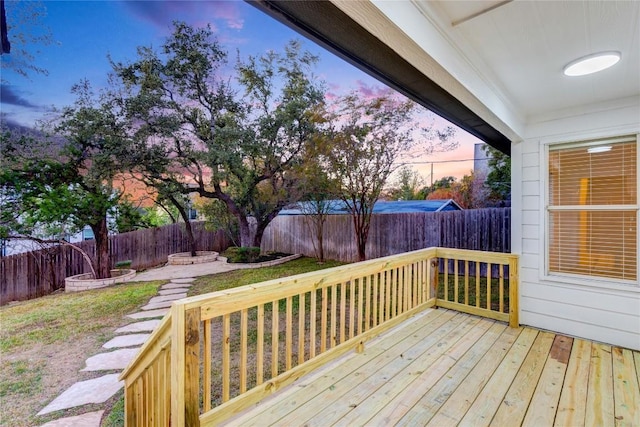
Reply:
x=193, y=214
x=593, y=209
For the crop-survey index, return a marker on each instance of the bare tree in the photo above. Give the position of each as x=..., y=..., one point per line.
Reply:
x=366, y=140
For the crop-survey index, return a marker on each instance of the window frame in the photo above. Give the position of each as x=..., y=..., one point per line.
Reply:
x=545, y=182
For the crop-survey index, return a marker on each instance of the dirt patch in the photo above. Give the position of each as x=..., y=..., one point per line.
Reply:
x=56, y=367
x=44, y=344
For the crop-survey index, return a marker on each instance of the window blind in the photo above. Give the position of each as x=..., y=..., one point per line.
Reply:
x=593, y=209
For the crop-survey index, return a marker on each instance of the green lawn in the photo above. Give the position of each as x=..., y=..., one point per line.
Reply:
x=44, y=342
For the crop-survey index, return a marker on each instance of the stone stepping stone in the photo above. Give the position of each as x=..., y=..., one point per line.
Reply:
x=118, y=359
x=164, y=298
x=175, y=285
x=157, y=305
x=183, y=280
x=173, y=291
x=160, y=312
x=90, y=419
x=144, y=326
x=97, y=390
x=126, y=341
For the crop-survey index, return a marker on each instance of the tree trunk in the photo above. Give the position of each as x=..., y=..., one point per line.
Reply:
x=102, y=264
x=187, y=225
x=361, y=226
x=257, y=239
x=320, y=238
x=245, y=230
x=191, y=238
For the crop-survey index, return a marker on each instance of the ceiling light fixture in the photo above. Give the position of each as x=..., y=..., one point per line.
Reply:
x=600, y=149
x=591, y=63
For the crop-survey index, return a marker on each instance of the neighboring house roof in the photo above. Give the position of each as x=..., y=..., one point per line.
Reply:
x=338, y=207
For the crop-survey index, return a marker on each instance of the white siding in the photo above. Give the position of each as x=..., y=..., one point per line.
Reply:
x=600, y=311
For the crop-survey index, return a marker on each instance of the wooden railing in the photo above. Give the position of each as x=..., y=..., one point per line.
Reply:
x=480, y=283
x=216, y=354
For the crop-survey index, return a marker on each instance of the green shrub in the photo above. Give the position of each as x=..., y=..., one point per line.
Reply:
x=123, y=264
x=242, y=255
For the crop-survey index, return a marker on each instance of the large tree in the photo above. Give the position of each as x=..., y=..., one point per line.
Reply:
x=499, y=177
x=367, y=139
x=65, y=181
x=234, y=139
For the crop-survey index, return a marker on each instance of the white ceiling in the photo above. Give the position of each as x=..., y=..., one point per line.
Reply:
x=519, y=49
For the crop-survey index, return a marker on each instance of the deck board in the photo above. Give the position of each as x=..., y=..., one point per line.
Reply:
x=491, y=396
x=514, y=406
x=626, y=394
x=415, y=376
x=573, y=398
x=429, y=403
x=600, y=389
x=443, y=368
x=544, y=403
x=353, y=393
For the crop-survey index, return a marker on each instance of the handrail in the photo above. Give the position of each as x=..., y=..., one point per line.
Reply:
x=267, y=335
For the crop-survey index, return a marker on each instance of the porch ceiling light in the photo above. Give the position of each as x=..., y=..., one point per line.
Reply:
x=591, y=63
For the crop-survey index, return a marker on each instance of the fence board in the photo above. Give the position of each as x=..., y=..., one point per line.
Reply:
x=478, y=229
x=37, y=273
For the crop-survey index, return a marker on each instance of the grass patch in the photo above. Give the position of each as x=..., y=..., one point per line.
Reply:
x=58, y=318
x=471, y=289
x=115, y=417
x=44, y=342
x=233, y=279
x=24, y=378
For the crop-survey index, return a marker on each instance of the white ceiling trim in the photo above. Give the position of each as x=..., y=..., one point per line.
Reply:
x=435, y=42
x=381, y=21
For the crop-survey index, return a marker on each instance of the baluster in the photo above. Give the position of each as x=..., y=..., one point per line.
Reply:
x=301, y=327
x=288, y=333
x=243, y=350
x=312, y=324
x=275, y=338
x=226, y=356
x=207, y=365
x=260, y=347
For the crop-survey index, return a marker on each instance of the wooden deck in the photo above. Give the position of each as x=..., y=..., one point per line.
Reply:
x=444, y=368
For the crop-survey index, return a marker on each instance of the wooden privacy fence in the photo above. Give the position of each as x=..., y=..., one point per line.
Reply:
x=216, y=354
x=37, y=273
x=479, y=229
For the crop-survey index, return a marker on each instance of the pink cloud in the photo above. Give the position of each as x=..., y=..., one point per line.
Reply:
x=200, y=13
x=373, y=91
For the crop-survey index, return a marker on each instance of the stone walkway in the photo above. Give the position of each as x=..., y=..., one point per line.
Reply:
x=123, y=348
x=118, y=353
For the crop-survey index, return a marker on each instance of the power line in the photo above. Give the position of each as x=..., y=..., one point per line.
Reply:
x=425, y=162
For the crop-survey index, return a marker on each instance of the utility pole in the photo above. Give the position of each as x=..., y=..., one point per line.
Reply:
x=431, y=174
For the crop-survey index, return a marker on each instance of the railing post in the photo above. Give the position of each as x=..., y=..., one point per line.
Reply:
x=177, y=365
x=185, y=368
x=433, y=280
x=192, y=367
x=514, y=293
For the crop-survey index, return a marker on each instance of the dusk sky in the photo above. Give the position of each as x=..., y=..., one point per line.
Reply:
x=85, y=32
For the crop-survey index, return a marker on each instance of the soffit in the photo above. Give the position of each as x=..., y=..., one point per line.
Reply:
x=330, y=27
x=521, y=47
